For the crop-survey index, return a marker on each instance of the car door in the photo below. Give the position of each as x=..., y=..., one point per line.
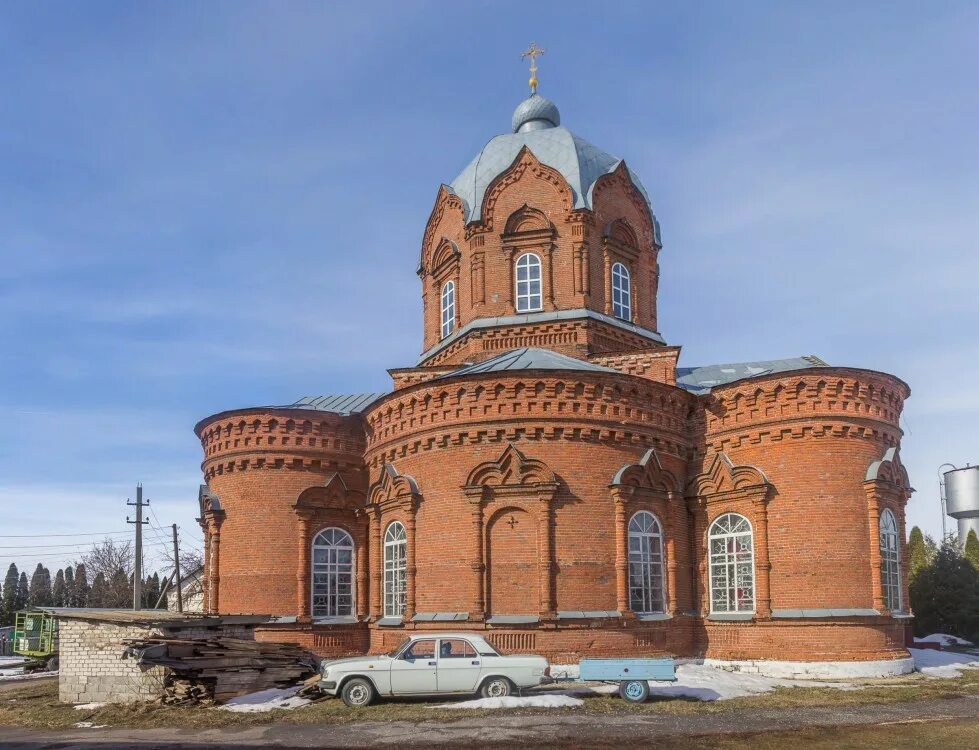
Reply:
x=458, y=666
x=414, y=671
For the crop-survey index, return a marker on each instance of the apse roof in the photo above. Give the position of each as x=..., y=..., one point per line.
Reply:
x=701, y=380
x=345, y=404
x=578, y=161
x=528, y=358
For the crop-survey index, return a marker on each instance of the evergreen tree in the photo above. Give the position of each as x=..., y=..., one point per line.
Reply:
x=69, y=586
x=39, y=594
x=972, y=549
x=8, y=604
x=156, y=596
x=917, y=554
x=81, y=586
x=58, y=589
x=945, y=595
x=120, y=590
x=99, y=594
x=23, y=592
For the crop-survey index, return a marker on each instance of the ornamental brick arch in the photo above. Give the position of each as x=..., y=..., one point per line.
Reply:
x=514, y=482
x=887, y=487
x=392, y=497
x=724, y=487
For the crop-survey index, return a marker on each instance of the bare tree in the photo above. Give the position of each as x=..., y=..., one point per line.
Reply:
x=107, y=557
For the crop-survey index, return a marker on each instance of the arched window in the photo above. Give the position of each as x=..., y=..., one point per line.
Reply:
x=528, y=283
x=732, y=565
x=621, y=292
x=395, y=567
x=333, y=574
x=448, y=308
x=645, y=564
x=890, y=561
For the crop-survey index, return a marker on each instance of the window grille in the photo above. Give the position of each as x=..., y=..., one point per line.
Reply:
x=333, y=578
x=528, y=283
x=645, y=564
x=732, y=565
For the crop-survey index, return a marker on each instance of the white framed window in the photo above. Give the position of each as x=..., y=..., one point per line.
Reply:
x=890, y=561
x=333, y=574
x=395, y=569
x=732, y=564
x=528, y=283
x=448, y=308
x=645, y=563
x=621, y=292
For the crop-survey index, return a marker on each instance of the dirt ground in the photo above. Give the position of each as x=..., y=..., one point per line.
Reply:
x=913, y=713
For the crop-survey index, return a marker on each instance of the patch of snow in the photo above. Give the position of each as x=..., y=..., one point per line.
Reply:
x=265, y=700
x=817, y=670
x=89, y=725
x=544, y=700
x=18, y=674
x=944, y=639
x=10, y=661
x=942, y=664
x=88, y=706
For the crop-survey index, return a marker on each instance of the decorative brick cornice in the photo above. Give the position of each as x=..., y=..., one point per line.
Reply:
x=722, y=480
x=524, y=162
x=393, y=489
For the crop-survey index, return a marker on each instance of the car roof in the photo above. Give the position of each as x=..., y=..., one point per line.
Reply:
x=426, y=636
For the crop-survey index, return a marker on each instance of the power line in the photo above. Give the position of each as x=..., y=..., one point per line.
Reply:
x=45, y=536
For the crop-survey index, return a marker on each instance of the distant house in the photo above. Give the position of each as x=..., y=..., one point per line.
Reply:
x=191, y=592
x=7, y=641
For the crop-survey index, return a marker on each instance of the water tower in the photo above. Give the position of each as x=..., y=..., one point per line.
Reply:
x=962, y=499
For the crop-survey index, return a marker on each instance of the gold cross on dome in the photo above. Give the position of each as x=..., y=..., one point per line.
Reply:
x=533, y=51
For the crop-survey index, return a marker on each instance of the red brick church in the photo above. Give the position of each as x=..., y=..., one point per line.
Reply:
x=547, y=475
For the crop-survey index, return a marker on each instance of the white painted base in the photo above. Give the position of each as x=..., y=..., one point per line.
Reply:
x=816, y=670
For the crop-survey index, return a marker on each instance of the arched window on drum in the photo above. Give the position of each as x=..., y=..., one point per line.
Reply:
x=395, y=569
x=645, y=564
x=528, y=283
x=332, y=586
x=732, y=564
x=890, y=561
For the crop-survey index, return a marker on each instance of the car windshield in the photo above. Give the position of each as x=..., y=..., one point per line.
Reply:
x=396, y=649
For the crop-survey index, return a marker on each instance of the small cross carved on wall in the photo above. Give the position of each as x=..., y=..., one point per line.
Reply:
x=512, y=522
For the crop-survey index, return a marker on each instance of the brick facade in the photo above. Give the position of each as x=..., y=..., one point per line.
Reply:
x=516, y=489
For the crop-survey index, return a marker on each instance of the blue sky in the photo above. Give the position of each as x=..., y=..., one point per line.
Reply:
x=196, y=198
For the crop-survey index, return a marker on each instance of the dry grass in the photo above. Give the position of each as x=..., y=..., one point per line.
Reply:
x=35, y=705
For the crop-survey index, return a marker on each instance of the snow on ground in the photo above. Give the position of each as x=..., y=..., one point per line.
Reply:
x=942, y=664
x=9, y=661
x=18, y=674
x=944, y=639
x=265, y=700
x=89, y=725
x=88, y=706
x=544, y=700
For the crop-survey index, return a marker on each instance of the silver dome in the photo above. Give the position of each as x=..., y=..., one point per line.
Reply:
x=535, y=113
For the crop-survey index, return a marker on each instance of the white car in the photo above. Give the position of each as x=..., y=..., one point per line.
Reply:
x=426, y=664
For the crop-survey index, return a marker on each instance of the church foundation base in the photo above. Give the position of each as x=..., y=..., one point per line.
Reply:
x=817, y=670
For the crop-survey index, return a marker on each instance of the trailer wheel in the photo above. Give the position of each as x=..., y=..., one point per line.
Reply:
x=634, y=691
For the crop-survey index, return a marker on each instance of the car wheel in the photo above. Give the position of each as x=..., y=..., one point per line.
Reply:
x=358, y=693
x=634, y=691
x=496, y=687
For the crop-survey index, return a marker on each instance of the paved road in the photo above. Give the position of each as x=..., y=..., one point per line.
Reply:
x=553, y=730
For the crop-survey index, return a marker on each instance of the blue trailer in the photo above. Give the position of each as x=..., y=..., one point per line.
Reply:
x=633, y=675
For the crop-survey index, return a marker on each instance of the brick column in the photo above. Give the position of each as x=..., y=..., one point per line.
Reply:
x=215, y=570
x=377, y=564
x=873, y=528
x=763, y=598
x=546, y=561
x=547, y=274
x=303, y=577
x=511, y=281
x=478, y=606
x=699, y=581
x=608, y=281
x=673, y=503
x=621, y=552
x=410, y=568
x=361, y=562
x=206, y=583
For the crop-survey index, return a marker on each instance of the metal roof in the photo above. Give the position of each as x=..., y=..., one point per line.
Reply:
x=152, y=617
x=346, y=404
x=539, y=317
x=528, y=358
x=578, y=161
x=701, y=380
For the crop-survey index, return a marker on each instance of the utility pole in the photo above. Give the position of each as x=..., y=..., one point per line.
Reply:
x=176, y=570
x=138, y=567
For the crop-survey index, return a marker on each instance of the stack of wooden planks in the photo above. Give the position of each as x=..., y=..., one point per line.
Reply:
x=216, y=669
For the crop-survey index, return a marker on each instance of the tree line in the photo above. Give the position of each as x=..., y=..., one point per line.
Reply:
x=944, y=585
x=102, y=578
